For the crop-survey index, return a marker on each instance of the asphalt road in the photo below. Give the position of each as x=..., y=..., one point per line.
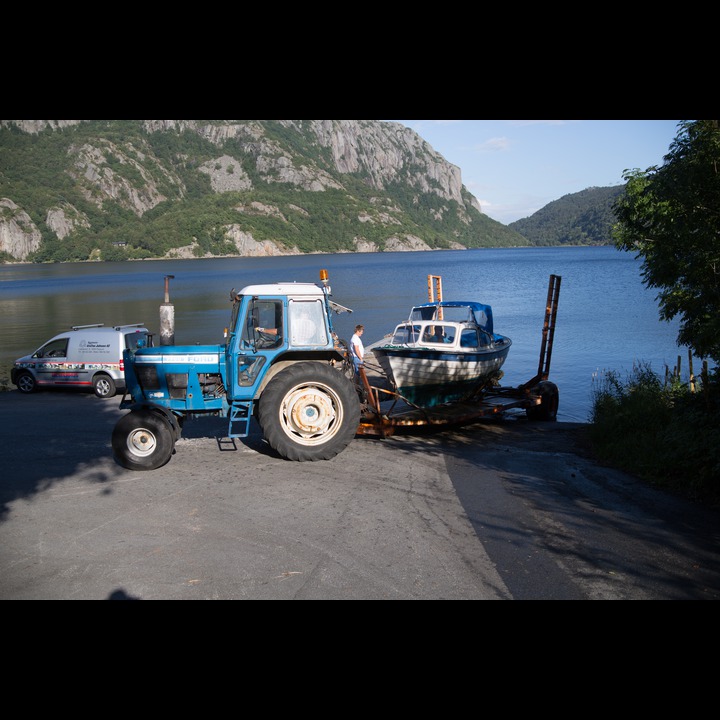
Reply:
x=499, y=510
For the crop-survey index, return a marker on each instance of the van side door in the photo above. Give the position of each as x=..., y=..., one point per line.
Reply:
x=51, y=361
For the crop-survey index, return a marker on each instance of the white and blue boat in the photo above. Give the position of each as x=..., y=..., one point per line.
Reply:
x=445, y=352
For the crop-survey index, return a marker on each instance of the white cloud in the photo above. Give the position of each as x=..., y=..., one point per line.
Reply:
x=496, y=144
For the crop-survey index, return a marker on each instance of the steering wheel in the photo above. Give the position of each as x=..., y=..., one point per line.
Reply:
x=267, y=339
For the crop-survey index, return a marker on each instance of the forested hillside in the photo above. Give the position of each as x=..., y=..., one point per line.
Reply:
x=583, y=218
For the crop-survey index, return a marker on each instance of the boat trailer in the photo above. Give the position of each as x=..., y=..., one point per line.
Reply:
x=385, y=411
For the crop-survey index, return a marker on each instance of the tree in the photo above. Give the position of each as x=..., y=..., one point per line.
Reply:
x=670, y=217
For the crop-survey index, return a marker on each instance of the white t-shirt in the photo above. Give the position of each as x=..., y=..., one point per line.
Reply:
x=358, y=348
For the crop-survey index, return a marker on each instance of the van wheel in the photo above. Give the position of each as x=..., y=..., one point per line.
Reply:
x=104, y=386
x=26, y=383
x=309, y=412
x=143, y=440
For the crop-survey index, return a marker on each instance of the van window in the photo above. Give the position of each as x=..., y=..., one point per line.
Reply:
x=53, y=349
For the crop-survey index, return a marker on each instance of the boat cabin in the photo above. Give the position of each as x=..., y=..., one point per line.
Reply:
x=459, y=325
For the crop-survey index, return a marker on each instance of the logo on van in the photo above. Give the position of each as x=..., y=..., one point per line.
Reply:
x=93, y=345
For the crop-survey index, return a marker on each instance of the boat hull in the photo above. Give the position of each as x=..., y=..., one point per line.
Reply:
x=433, y=377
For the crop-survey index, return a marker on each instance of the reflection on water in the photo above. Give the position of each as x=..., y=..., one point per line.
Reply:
x=607, y=320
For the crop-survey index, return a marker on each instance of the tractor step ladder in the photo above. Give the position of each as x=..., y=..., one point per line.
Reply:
x=240, y=413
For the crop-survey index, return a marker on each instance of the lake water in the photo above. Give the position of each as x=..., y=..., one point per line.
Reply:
x=607, y=319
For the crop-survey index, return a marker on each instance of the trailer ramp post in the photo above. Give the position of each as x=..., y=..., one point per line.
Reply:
x=548, y=334
x=551, y=309
x=371, y=396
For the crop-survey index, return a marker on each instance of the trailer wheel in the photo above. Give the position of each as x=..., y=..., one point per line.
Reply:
x=549, y=401
x=143, y=440
x=309, y=412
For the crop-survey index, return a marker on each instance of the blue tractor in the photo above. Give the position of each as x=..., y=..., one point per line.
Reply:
x=282, y=364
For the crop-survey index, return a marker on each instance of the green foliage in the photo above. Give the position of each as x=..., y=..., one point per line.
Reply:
x=584, y=218
x=184, y=152
x=670, y=217
x=297, y=144
x=661, y=431
x=32, y=171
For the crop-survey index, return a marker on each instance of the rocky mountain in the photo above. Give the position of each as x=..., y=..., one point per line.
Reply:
x=131, y=189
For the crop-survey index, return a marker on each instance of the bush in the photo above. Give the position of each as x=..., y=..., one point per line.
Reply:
x=660, y=430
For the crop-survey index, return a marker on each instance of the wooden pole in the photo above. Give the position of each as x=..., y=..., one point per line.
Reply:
x=690, y=370
x=435, y=291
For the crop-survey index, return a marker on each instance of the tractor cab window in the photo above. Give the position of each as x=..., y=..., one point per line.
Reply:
x=263, y=328
x=307, y=323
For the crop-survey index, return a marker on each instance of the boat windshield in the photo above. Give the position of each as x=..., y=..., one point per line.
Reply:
x=424, y=333
x=406, y=334
x=460, y=312
x=439, y=334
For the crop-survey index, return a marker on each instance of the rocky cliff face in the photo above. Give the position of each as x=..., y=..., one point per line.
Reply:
x=36, y=126
x=386, y=152
x=129, y=175
x=18, y=234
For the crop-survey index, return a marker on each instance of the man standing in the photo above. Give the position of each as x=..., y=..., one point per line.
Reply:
x=356, y=347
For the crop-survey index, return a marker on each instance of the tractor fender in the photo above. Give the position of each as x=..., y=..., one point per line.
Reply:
x=290, y=361
x=174, y=421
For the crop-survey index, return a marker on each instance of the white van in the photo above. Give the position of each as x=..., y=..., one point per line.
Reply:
x=87, y=356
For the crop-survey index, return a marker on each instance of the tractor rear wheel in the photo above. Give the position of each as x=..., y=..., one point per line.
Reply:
x=308, y=412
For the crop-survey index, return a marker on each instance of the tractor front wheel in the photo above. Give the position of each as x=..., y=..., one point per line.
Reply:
x=143, y=440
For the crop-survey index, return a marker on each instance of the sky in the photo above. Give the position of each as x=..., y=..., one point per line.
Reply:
x=516, y=167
